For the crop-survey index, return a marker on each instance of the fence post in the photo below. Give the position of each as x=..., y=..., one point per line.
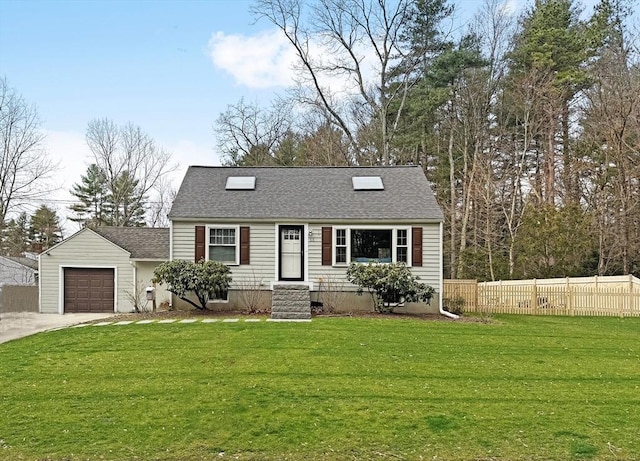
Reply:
x=621, y=301
x=596, y=296
x=568, y=295
x=630, y=297
x=534, y=297
x=475, y=297
x=571, y=300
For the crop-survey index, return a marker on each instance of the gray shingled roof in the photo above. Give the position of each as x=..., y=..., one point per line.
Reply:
x=308, y=193
x=27, y=262
x=141, y=242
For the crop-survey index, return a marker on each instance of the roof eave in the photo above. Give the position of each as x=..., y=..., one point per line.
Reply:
x=238, y=219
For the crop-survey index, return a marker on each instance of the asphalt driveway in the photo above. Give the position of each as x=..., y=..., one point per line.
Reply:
x=17, y=325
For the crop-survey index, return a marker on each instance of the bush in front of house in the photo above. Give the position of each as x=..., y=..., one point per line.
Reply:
x=205, y=280
x=390, y=285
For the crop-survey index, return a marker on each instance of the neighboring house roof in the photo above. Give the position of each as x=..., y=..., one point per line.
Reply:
x=310, y=193
x=26, y=262
x=142, y=242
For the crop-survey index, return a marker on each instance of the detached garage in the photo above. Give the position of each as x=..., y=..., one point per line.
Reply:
x=102, y=270
x=89, y=289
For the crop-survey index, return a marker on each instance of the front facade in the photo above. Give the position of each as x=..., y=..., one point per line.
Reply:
x=102, y=270
x=304, y=226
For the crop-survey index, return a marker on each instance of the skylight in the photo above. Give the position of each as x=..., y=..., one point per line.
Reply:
x=241, y=183
x=367, y=183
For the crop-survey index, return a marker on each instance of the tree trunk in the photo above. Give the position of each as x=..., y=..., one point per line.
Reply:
x=452, y=210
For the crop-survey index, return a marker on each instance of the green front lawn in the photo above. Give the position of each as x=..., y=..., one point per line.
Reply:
x=523, y=388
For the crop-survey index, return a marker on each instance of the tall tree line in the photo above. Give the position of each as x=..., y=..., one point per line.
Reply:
x=34, y=233
x=528, y=128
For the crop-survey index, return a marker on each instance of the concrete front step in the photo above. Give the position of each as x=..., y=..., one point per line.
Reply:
x=290, y=302
x=290, y=315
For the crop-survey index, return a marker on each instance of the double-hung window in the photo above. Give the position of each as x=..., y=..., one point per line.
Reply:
x=341, y=246
x=223, y=245
x=402, y=246
x=363, y=245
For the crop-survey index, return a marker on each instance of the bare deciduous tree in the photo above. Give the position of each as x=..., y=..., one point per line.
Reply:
x=126, y=150
x=24, y=165
x=339, y=40
x=160, y=205
x=245, y=131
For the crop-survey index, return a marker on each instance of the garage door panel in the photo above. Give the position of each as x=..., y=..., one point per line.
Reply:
x=88, y=290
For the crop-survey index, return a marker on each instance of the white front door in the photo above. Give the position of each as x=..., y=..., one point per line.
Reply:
x=291, y=252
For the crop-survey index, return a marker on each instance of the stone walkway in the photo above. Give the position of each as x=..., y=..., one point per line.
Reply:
x=19, y=325
x=188, y=320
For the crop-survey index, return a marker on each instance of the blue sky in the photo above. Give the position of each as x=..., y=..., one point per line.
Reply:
x=148, y=62
x=140, y=61
x=170, y=67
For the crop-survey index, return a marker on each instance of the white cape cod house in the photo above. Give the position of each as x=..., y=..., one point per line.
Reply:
x=302, y=226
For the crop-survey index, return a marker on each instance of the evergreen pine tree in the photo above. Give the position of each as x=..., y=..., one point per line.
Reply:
x=92, y=194
x=45, y=228
x=15, y=236
x=124, y=202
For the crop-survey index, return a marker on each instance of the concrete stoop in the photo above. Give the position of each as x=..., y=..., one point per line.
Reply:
x=290, y=302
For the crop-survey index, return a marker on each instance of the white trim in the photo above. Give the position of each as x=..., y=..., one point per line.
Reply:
x=394, y=241
x=440, y=269
x=135, y=282
x=305, y=256
x=170, y=240
x=39, y=284
x=208, y=242
x=221, y=301
x=61, y=268
x=315, y=221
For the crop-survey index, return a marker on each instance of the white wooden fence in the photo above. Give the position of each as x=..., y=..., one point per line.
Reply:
x=590, y=296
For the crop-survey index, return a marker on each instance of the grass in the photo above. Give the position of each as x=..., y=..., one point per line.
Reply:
x=523, y=388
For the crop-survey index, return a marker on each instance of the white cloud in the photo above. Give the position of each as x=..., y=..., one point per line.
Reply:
x=257, y=61
x=268, y=60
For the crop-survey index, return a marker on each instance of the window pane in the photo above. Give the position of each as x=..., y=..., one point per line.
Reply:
x=402, y=237
x=341, y=254
x=402, y=255
x=229, y=236
x=214, y=237
x=222, y=236
x=341, y=237
x=367, y=245
x=222, y=253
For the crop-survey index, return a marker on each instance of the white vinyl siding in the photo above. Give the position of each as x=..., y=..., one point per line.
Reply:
x=263, y=253
x=144, y=275
x=84, y=249
x=261, y=250
x=429, y=271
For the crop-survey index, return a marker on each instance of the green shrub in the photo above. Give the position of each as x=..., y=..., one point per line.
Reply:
x=205, y=279
x=390, y=285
